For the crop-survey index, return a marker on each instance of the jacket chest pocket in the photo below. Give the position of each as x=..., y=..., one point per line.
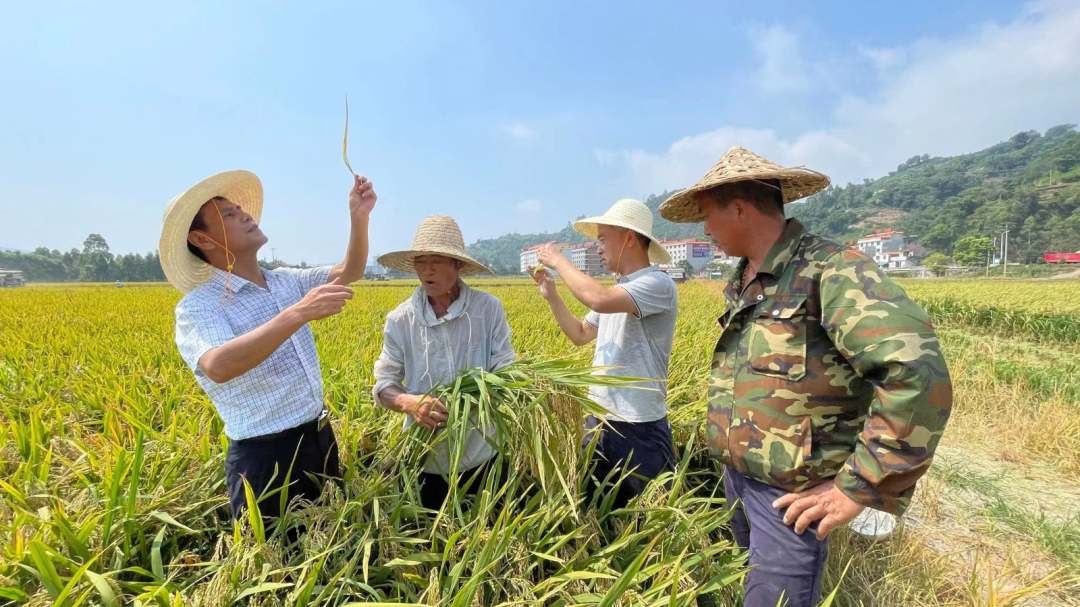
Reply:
x=777, y=338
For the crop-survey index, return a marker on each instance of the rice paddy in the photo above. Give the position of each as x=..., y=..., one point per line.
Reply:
x=112, y=487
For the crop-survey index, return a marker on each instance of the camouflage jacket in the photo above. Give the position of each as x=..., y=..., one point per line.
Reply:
x=825, y=368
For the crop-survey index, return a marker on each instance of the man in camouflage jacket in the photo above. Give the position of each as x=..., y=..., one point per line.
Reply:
x=828, y=391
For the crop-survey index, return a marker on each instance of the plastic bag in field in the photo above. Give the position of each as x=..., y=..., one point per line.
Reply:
x=873, y=524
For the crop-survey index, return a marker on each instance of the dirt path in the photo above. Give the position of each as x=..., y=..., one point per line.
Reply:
x=1067, y=275
x=1014, y=528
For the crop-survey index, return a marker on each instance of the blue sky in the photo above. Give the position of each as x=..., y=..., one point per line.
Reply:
x=509, y=116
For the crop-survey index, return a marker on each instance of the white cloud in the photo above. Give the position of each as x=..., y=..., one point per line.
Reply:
x=529, y=208
x=686, y=160
x=782, y=68
x=940, y=97
x=519, y=132
x=883, y=59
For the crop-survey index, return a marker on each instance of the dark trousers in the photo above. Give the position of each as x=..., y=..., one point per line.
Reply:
x=645, y=448
x=306, y=454
x=781, y=562
x=434, y=487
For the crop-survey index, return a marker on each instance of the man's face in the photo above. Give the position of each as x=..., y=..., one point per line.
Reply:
x=229, y=225
x=613, y=242
x=437, y=274
x=723, y=225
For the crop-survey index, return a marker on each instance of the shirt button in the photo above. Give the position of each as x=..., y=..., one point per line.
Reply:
x=776, y=312
x=760, y=297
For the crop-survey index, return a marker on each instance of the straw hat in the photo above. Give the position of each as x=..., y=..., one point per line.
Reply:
x=740, y=164
x=182, y=269
x=436, y=235
x=632, y=215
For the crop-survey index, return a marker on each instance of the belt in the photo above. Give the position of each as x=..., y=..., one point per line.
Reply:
x=315, y=425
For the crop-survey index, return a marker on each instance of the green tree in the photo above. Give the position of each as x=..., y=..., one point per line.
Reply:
x=972, y=250
x=937, y=262
x=96, y=262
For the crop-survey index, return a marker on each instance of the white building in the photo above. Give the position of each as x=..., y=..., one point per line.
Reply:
x=897, y=260
x=695, y=251
x=720, y=257
x=887, y=247
x=585, y=257
x=529, y=258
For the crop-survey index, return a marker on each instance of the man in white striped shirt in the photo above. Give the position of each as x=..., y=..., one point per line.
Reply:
x=244, y=332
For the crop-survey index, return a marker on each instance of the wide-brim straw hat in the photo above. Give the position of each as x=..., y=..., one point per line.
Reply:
x=436, y=235
x=632, y=215
x=184, y=270
x=740, y=164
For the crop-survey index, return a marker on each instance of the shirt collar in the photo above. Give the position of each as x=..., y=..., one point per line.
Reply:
x=221, y=279
x=426, y=313
x=775, y=260
x=635, y=274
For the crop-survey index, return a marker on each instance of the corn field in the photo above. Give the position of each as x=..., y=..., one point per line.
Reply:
x=112, y=481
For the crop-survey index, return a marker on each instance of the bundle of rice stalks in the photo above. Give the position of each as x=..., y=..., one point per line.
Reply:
x=531, y=412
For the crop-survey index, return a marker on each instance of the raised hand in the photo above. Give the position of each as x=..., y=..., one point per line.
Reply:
x=322, y=301
x=362, y=197
x=543, y=281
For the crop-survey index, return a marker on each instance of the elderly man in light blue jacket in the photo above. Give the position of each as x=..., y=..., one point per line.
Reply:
x=443, y=329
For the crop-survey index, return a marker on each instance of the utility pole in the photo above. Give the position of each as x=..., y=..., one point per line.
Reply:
x=1005, y=250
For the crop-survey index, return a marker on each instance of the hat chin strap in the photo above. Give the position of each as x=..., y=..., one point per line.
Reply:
x=769, y=185
x=230, y=258
x=618, y=260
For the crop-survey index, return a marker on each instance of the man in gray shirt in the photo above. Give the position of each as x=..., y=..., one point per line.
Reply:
x=633, y=324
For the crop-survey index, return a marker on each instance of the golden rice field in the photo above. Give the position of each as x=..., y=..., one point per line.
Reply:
x=1036, y=310
x=112, y=488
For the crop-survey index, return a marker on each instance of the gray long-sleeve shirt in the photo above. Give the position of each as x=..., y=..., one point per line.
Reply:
x=421, y=351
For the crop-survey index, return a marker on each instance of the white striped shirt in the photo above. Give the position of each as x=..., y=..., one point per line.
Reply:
x=281, y=392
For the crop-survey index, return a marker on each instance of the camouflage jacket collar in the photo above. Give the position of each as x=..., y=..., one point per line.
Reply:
x=776, y=260
x=783, y=250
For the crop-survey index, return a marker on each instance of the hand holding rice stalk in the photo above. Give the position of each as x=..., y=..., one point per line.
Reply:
x=532, y=413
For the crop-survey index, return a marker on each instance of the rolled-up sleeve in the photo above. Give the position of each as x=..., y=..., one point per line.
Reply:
x=199, y=330
x=593, y=318
x=390, y=366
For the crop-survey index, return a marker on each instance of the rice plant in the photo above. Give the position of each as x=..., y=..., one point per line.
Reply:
x=112, y=485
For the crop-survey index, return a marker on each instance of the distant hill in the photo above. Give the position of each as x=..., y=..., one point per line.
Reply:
x=1030, y=182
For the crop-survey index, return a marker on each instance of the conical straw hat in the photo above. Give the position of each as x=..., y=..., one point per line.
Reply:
x=740, y=164
x=182, y=269
x=632, y=215
x=436, y=235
